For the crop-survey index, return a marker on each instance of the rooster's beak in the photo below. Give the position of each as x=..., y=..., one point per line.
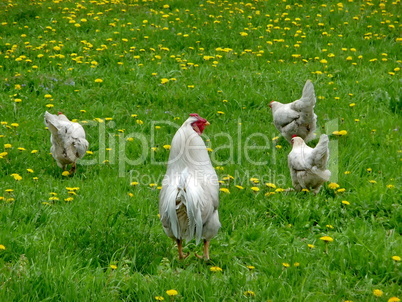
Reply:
x=207, y=123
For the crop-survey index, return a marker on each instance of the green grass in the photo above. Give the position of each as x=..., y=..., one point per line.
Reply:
x=226, y=61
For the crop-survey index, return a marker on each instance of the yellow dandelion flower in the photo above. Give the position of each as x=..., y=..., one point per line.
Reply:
x=134, y=183
x=48, y=96
x=224, y=190
x=345, y=202
x=7, y=146
x=390, y=186
x=378, y=292
x=285, y=264
x=16, y=176
x=239, y=187
x=172, y=292
x=250, y=267
x=34, y=151
x=341, y=190
x=394, y=299
x=164, y=80
x=68, y=199
x=279, y=190
x=296, y=264
x=254, y=180
x=113, y=266
x=30, y=170
x=327, y=239
x=396, y=258
x=220, y=112
x=249, y=293
x=166, y=147
x=159, y=298
x=333, y=185
x=98, y=81
x=311, y=246
x=65, y=173
x=215, y=269
x=255, y=189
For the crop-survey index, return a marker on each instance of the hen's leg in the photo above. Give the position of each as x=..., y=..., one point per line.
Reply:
x=73, y=168
x=206, y=251
x=180, y=249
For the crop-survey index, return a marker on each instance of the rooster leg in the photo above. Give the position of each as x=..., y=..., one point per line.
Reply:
x=206, y=251
x=180, y=249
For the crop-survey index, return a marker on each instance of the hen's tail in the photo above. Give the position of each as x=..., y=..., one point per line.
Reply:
x=51, y=122
x=307, y=101
x=321, y=152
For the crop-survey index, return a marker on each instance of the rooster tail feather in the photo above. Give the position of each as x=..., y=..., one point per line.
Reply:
x=192, y=202
x=170, y=212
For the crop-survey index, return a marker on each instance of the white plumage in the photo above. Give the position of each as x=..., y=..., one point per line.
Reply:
x=308, y=166
x=297, y=118
x=67, y=138
x=189, y=199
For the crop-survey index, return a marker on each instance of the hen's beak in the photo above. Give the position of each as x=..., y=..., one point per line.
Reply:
x=207, y=123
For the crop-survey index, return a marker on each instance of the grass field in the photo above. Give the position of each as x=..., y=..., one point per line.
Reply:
x=130, y=72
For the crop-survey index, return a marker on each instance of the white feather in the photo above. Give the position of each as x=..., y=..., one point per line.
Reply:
x=308, y=166
x=297, y=118
x=67, y=139
x=189, y=199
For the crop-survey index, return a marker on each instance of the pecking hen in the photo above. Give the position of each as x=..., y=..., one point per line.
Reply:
x=189, y=198
x=308, y=166
x=296, y=118
x=67, y=138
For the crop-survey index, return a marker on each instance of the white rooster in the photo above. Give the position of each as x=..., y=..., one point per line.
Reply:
x=296, y=118
x=189, y=199
x=308, y=166
x=67, y=138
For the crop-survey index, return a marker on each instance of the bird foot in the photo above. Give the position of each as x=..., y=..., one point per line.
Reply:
x=206, y=258
x=183, y=256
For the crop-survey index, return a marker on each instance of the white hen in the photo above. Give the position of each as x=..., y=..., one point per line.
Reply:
x=308, y=166
x=296, y=118
x=67, y=138
x=189, y=199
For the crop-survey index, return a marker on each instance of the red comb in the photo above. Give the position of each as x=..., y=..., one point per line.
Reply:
x=294, y=135
x=194, y=114
x=59, y=112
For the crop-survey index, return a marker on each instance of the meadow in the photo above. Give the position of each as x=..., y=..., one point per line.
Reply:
x=130, y=72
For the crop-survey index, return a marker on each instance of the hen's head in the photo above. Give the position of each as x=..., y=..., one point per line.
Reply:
x=296, y=140
x=273, y=104
x=199, y=124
